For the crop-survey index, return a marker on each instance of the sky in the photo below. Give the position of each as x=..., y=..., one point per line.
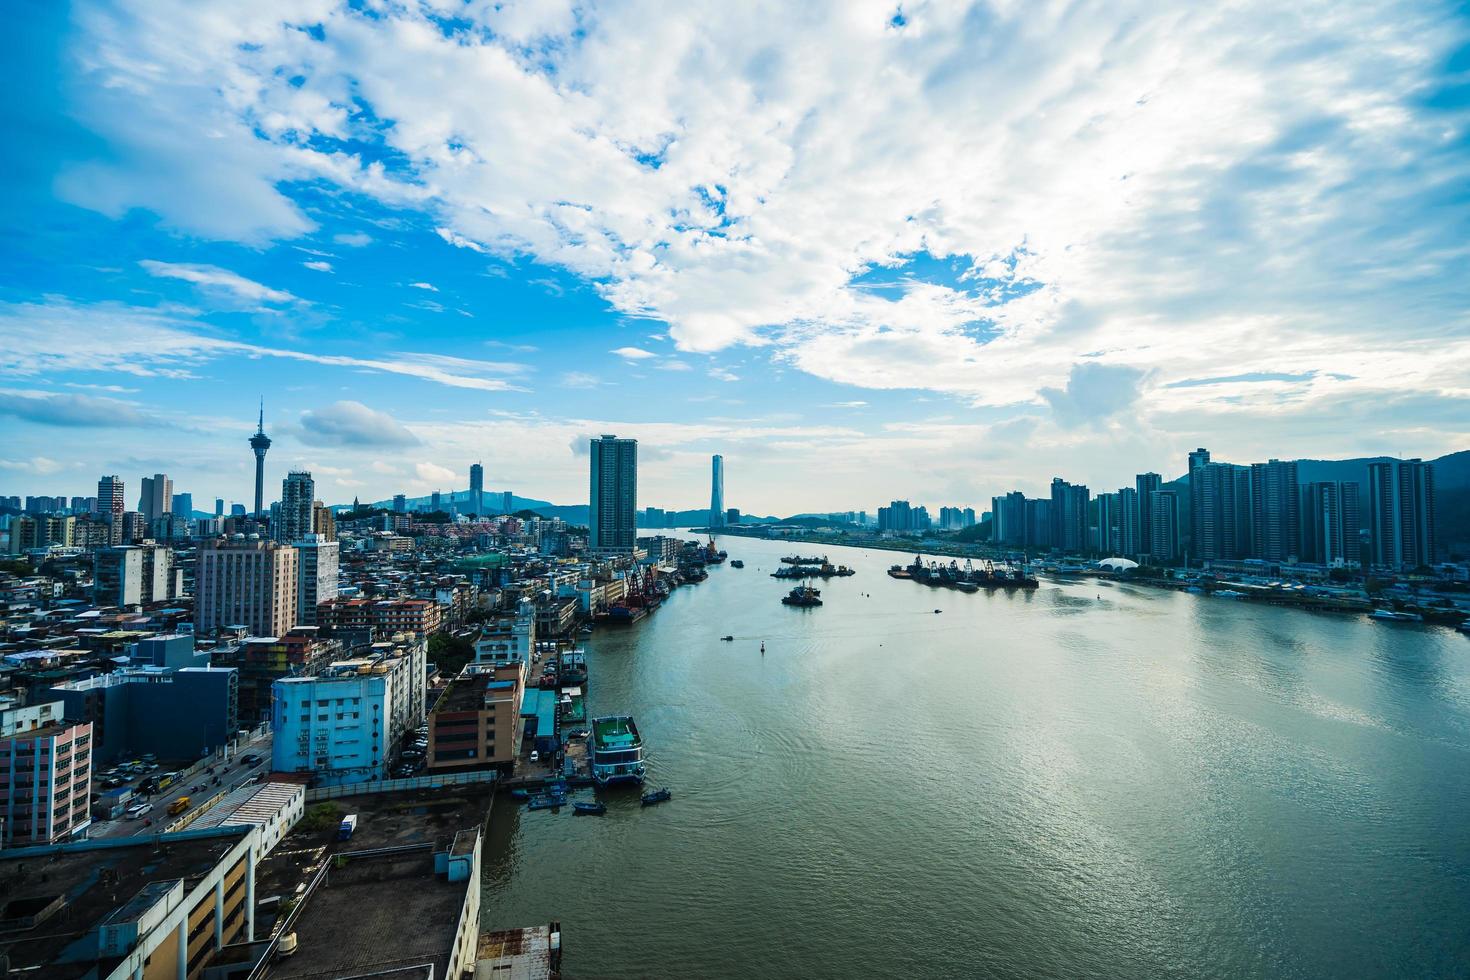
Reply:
x=932, y=251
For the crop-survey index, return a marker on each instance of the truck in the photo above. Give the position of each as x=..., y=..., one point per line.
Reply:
x=178, y=806
x=111, y=803
x=348, y=825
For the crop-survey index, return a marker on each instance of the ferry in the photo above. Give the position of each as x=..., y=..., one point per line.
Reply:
x=616, y=750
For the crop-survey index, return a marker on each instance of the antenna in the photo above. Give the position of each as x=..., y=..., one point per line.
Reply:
x=260, y=426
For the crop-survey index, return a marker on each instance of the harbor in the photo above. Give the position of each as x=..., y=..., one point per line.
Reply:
x=1015, y=735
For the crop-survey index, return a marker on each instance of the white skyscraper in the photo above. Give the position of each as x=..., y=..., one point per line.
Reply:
x=612, y=518
x=717, y=491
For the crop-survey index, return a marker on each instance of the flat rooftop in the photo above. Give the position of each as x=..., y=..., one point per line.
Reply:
x=531, y=953
x=73, y=888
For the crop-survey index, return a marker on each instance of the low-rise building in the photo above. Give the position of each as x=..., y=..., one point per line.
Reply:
x=45, y=778
x=182, y=713
x=476, y=722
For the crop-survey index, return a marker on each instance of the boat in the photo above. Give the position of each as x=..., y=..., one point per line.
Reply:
x=737, y=563
x=520, y=794
x=802, y=595
x=727, y=639
x=1394, y=616
x=595, y=809
x=1228, y=594
x=547, y=802
x=615, y=750
x=800, y=560
x=657, y=796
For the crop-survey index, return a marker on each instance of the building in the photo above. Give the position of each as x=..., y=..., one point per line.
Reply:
x=400, y=503
x=245, y=581
x=1331, y=523
x=1275, y=512
x=507, y=503
x=322, y=521
x=612, y=520
x=717, y=491
x=117, y=576
x=1220, y=505
x=900, y=516
x=219, y=506
x=134, y=908
x=156, y=497
x=262, y=660
x=111, y=505
x=259, y=443
x=1068, y=516
x=477, y=720
x=298, y=494
x=382, y=616
x=316, y=575
x=1108, y=531
x=732, y=516
x=45, y=779
x=183, y=503
x=176, y=713
x=1146, y=485
x=1130, y=514
x=477, y=489
x=18, y=721
x=38, y=532
x=1163, y=535
x=1401, y=513
x=345, y=724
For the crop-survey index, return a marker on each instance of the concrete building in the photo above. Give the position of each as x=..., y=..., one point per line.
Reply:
x=1130, y=513
x=131, y=575
x=1275, y=512
x=344, y=725
x=1068, y=516
x=1331, y=522
x=298, y=493
x=1146, y=485
x=613, y=500
x=45, y=777
x=383, y=617
x=477, y=720
x=18, y=721
x=717, y=491
x=323, y=522
x=477, y=489
x=263, y=660
x=1401, y=511
x=1108, y=531
x=511, y=640
x=134, y=908
x=156, y=497
x=36, y=532
x=246, y=581
x=316, y=578
x=111, y=504
x=1164, y=532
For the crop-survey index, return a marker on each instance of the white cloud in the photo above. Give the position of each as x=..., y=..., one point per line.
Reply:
x=354, y=239
x=350, y=423
x=634, y=353
x=435, y=474
x=424, y=285
x=214, y=278
x=318, y=266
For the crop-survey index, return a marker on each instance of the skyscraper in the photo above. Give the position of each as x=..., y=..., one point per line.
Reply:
x=183, y=504
x=477, y=489
x=717, y=491
x=1147, y=484
x=400, y=503
x=1130, y=513
x=1163, y=510
x=316, y=576
x=110, y=505
x=1330, y=523
x=436, y=502
x=1109, y=523
x=219, y=506
x=613, y=500
x=298, y=491
x=248, y=582
x=1219, y=513
x=1275, y=519
x=1401, y=504
x=259, y=443
x=507, y=503
x=1068, y=515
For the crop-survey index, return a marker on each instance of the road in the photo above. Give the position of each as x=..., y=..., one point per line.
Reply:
x=231, y=775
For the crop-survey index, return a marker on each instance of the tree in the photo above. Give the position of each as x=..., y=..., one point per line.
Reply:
x=449, y=653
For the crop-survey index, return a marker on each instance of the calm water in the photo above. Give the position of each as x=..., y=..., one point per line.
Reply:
x=1141, y=784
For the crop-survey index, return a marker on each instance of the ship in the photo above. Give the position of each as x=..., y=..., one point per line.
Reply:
x=807, y=570
x=802, y=595
x=737, y=563
x=615, y=750
x=799, y=560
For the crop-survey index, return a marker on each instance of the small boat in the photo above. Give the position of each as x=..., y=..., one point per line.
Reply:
x=737, y=563
x=938, y=611
x=547, y=802
x=727, y=639
x=1228, y=594
x=520, y=794
x=1393, y=616
x=802, y=595
x=657, y=796
x=595, y=809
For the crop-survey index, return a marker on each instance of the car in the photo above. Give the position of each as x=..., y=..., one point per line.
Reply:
x=138, y=809
x=535, y=756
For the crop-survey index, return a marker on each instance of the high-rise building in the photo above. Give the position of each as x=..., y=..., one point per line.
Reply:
x=35, y=531
x=111, y=504
x=183, y=504
x=400, y=503
x=717, y=491
x=1068, y=515
x=1008, y=519
x=1331, y=523
x=132, y=575
x=612, y=517
x=1401, y=513
x=1163, y=512
x=732, y=516
x=1275, y=520
x=1219, y=518
x=259, y=443
x=298, y=494
x=1146, y=485
x=1106, y=533
x=219, y=506
x=323, y=522
x=507, y=503
x=436, y=502
x=245, y=581
x=316, y=575
x=1130, y=538
x=477, y=489
x=45, y=778
x=899, y=515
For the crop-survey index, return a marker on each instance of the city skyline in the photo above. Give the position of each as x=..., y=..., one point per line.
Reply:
x=1175, y=253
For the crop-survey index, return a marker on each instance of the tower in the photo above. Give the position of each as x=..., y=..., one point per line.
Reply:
x=613, y=502
x=259, y=443
x=717, y=491
x=477, y=489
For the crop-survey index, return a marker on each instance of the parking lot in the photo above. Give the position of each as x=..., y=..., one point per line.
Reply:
x=411, y=760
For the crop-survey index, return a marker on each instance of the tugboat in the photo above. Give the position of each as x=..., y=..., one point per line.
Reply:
x=657, y=796
x=616, y=750
x=802, y=595
x=595, y=809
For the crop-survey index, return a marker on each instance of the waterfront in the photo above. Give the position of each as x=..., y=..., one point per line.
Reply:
x=1149, y=783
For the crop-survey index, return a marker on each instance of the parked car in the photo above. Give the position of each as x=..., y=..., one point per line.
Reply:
x=535, y=756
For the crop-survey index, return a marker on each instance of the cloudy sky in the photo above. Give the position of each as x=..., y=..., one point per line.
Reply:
x=935, y=251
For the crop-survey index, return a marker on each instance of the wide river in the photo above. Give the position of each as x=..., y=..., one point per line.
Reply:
x=1091, y=780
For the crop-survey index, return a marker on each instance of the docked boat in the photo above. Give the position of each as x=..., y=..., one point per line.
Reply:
x=1394, y=616
x=1228, y=594
x=802, y=595
x=615, y=750
x=657, y=796
x=547, y=802
x=595, y=809
x=520, y=794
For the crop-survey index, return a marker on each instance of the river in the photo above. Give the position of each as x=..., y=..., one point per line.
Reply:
x=1090, y=780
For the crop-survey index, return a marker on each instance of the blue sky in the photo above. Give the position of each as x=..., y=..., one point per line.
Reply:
x=864, y=256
